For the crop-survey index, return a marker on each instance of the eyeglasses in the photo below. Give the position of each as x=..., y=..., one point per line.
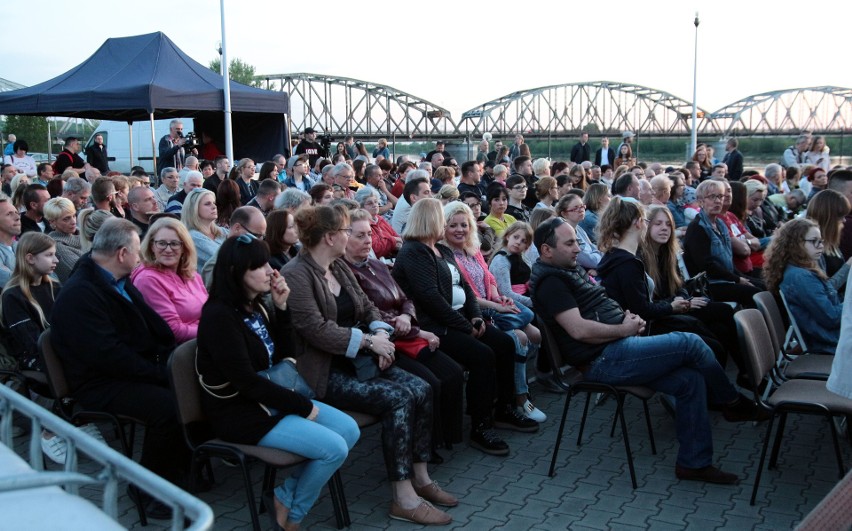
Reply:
x=578, y=208
x=714, y=197
x=256, y=235
x=173, y=245
x=472, y=205
x=519, y=187
x=347, y=230
x=816, y=242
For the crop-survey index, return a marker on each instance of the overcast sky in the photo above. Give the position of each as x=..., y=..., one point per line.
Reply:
x=459, y=54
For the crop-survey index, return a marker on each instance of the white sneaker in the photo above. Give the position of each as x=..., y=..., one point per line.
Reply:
x=531, y=412
x=92, y=430
x=54, y=448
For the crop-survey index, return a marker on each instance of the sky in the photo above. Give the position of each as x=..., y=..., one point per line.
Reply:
x=460, y=54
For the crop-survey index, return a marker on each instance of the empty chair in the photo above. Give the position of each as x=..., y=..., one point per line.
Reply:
x=812, y=366
x=792, y=396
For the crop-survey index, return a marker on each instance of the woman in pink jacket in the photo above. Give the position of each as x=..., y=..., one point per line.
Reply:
x=168, y=280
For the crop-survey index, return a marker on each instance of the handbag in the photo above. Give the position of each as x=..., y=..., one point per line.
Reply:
x=365, y=367
x=698, y=286
x=285, y=374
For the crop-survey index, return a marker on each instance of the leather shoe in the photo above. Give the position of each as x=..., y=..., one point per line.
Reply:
x=434, y=494
x=424, y=514
x=708, y=474
x=744, y=410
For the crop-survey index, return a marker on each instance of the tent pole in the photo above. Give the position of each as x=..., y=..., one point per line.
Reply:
x=130, y=139
x=226, y=76
x=154, y=148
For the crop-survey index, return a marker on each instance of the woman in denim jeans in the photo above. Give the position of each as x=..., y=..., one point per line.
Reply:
x=509, y=316
x=792, y=267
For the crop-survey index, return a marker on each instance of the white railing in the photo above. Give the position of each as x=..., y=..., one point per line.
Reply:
x=115, y=466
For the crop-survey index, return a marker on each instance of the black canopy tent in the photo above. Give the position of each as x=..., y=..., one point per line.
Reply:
x=147, y=77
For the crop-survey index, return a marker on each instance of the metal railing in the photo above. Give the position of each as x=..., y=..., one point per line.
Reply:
x=115, y=466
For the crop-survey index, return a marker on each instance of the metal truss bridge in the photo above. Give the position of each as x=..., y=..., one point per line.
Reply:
x=340, y=106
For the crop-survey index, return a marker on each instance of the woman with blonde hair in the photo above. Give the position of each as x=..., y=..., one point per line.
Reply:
x=461, y=236
x=792, y=266
x=62, y=216
x=661, y=188
x=168, y=279
x=27, y=301
x=346, y=355
x=200, y=215
x=381, y=149
x=447, y=194
x=596, y=199
x=703, y=159
x=89, y=221
x=547, y=192
x=446, y=305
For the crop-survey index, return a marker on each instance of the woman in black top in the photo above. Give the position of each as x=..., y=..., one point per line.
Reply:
x=238, y=337
x=281, y=236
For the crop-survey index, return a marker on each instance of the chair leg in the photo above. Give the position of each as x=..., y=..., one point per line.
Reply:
x=131, y=440
x=140, y=507
x=650, y=429
x=776, y=447
x=620, y=399
x=840, y=468
x=568, y=396
x=338, y=500
x=620, y=413
x=583, y=419
x=268, y=483
x=762, y=457
x=255, y=520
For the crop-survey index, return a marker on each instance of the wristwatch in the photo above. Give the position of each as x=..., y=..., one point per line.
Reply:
x=368, y=339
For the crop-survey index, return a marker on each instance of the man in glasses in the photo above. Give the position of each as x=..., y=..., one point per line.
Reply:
x=606, y=344
x=246, y=221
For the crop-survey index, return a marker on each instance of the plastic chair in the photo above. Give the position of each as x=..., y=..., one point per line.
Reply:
x=199, y=438
x=792, y=396
x=618, y=392
x=811, y=366
x=65, y=407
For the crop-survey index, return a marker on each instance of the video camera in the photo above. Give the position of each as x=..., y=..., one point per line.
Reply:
x=191, y=141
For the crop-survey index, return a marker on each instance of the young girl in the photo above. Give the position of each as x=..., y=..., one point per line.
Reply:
x=792, y=266
x=512, y=271
x=27, y=301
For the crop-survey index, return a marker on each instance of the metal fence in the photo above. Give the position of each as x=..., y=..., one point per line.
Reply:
x=115, y=466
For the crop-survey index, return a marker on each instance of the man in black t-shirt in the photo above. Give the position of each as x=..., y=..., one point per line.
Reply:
x=309, y=146
x=605, y=343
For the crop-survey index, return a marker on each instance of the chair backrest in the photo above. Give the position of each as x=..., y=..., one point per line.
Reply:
x=768, y=306
x=549, y=344
x=53, y=367
x=187, y=391
x=793, y=323
x=756, y=344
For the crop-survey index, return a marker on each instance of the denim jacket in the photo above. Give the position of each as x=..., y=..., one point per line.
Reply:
x=720, y=240
x=815, y=306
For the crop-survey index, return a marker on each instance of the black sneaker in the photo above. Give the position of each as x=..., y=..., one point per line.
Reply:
x=483, y=438
x=508, y=418
x=552, y=383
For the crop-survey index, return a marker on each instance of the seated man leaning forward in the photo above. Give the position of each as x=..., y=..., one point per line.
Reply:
x=603, y=341
x=114, y=349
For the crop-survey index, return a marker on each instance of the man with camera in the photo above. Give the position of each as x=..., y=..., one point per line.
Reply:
x=309, y=146
x=171, y=149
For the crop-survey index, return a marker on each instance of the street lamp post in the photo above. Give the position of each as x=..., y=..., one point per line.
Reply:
x=694, y=137
x=226, y=85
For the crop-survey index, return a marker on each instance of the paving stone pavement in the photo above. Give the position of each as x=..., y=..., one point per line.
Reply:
x=590, y=490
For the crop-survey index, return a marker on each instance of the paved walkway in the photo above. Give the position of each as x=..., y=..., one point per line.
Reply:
x=591, y=488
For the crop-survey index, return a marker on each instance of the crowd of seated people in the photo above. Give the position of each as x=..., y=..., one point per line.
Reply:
x=388, y=280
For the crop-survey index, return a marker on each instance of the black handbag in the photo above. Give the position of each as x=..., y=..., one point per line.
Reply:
x=698, y=286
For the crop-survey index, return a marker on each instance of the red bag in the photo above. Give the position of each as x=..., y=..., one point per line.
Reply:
x=410, y=346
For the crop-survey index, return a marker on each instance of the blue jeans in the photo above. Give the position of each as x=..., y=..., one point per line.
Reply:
x=508, y=322
x=324, y=441
x=677, y=364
